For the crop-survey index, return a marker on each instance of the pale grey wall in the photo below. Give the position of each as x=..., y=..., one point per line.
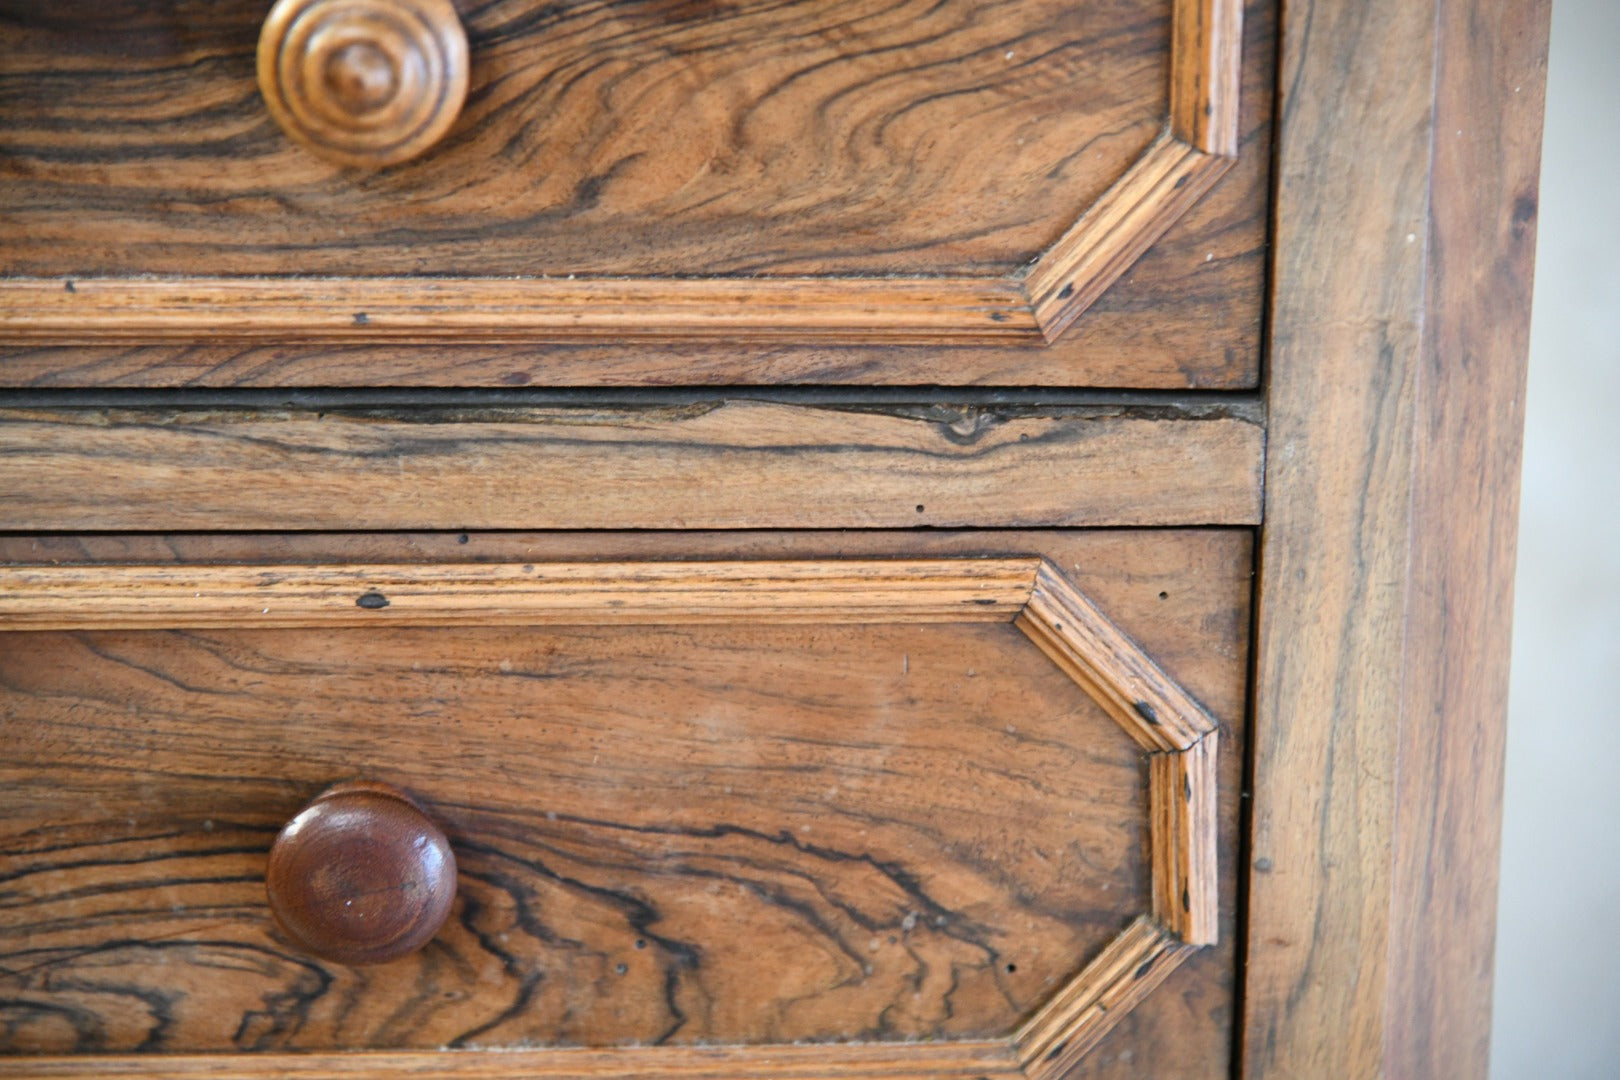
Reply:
x=1557, y=1013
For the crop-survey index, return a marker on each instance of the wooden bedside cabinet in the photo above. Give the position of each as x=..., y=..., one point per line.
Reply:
x=807, y=540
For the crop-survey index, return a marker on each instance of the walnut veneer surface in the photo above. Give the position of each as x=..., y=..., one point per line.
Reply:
x=748, y=190
x=1064, y=640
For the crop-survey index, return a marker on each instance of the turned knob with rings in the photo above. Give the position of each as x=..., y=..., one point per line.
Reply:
x=366, y=83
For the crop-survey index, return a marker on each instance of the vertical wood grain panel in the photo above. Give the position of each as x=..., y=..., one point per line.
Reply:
x=1391, y=455
x=1352, y=199
x=1488, y=111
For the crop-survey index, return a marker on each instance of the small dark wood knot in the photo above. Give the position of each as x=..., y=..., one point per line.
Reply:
x=362, y=875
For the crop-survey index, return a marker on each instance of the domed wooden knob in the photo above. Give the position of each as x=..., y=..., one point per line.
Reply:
x=364, y=82
x=362, y=875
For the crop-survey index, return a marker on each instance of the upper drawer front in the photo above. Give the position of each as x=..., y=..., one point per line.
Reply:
x=772, y=188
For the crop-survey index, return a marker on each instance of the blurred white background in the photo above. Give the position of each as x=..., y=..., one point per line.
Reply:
x=1557, y=1014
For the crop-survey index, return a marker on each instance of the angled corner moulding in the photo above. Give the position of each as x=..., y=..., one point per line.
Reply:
x=1197, y=145
x=1174, y=731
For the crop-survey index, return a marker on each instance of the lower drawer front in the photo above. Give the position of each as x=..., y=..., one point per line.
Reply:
x=944, y=803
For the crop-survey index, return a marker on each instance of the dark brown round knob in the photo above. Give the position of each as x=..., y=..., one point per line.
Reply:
x=364, y=82
x=362, y=875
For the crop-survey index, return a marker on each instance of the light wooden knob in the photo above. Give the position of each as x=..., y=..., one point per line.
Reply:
x=362, y=875
x=368, y=83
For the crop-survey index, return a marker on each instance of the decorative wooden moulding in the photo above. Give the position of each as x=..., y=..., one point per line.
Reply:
x=1177, y=735
x=1033, y=305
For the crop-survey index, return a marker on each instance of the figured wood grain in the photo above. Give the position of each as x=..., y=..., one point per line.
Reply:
x=854, y=137
x=1405, y=208
x=1073, y=1023
x=971, y=1061
x=1182, y=793
x=1185, y=315
x=1182, y=594
x=726, y=465
x=932, y=303
x=1066, y=626
x=675, y=834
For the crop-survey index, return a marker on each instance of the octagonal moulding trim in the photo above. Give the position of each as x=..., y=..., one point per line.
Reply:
x=1179, y=737
x=1198, y=144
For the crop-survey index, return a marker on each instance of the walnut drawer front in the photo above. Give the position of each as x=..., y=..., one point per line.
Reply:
x=638, y=193
x=747, y=790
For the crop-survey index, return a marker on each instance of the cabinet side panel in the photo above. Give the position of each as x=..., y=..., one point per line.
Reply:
x=1347, y=319
x=1405, y=201
x=1482, y=231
